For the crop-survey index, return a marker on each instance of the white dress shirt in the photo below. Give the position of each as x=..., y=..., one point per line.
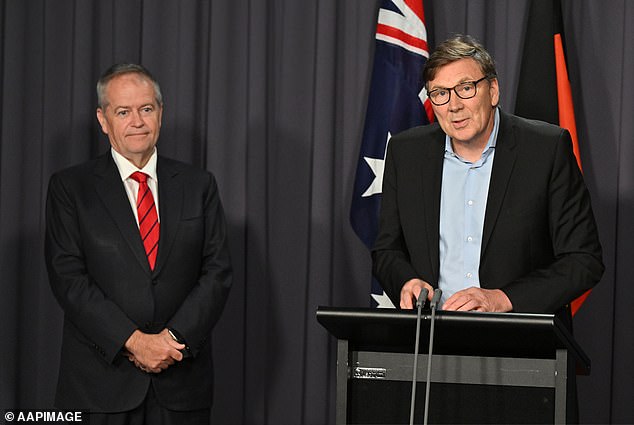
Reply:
x=126, y=169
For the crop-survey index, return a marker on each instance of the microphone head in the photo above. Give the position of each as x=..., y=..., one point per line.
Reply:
x=436, y=298
x=422, y=297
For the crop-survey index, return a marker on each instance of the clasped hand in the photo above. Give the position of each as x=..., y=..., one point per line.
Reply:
x=153, y=353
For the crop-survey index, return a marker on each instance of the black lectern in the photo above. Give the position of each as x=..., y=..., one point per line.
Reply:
x=487, y=367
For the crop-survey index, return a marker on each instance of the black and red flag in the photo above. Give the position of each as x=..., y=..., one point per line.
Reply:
x=544, y=88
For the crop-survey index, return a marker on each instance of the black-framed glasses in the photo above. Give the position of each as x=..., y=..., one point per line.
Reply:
x=466, y=90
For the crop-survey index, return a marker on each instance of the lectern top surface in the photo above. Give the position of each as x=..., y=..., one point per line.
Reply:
x=461, y=333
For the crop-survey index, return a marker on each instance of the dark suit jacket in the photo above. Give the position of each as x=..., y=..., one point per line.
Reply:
x=540, y=242
x=100, y=275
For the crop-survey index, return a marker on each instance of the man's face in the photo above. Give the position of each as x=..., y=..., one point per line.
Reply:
x=132, y=117
x=466, y=121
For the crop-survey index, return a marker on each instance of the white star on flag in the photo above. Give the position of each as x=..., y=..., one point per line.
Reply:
x=383, y=301
x=377, y=166
x=422, y=95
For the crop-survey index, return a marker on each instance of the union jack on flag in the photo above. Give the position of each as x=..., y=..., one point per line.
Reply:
x=397, y=101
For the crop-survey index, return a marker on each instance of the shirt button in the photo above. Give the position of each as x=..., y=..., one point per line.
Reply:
x=470, y=202
x=469, y=239
x=469, y=275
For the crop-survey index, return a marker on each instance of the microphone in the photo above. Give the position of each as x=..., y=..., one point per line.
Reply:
x=435, y=299
x=422, y=297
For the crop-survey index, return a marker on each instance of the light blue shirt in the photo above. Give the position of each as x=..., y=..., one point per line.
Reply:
x=465, y=187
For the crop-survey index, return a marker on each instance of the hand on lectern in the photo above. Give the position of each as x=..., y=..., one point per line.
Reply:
x=411, y=290
x=479, y=299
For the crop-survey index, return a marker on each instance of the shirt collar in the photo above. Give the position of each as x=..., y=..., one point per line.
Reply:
x=126, y=168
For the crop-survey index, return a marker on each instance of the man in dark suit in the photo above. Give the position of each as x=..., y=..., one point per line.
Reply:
x=487, y=206
x=137, y=256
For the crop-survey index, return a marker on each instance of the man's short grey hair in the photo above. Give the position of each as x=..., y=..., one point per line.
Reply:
x=122, y=69
x=456, y=48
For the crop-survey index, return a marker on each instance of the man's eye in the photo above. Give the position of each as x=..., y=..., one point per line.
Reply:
x=466, y=88
x=122, y=113
x=147, y=109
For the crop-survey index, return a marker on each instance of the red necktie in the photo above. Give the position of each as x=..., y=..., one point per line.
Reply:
x=148, y=218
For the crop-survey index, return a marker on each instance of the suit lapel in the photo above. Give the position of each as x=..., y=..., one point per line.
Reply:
x=431, y=183
x=110, y=189
x=170, y=203
x=503, y=164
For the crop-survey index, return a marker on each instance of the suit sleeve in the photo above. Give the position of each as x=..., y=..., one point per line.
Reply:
x=100, y=321
x=202, y=307
x=577, y=265
x=390, y=256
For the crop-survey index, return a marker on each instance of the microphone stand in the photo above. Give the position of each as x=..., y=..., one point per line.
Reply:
x=422, y=297
x=434, y=306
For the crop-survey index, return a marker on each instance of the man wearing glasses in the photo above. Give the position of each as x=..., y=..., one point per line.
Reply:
x=489, y=207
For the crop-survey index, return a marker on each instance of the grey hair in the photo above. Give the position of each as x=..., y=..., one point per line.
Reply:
x=122, y=69
x=456, y=48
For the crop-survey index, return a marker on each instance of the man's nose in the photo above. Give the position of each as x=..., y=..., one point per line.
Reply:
x=455, y=102
x=137, y=120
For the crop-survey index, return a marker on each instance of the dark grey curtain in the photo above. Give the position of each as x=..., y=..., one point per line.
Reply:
x=270, y=95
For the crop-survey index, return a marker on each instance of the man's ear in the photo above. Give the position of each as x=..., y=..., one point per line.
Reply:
x=102, y=120
x=494, y=91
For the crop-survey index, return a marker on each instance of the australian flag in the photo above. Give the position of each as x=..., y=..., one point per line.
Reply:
x=397, y=101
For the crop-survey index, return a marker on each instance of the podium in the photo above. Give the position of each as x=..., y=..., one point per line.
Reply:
x=486, y=367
